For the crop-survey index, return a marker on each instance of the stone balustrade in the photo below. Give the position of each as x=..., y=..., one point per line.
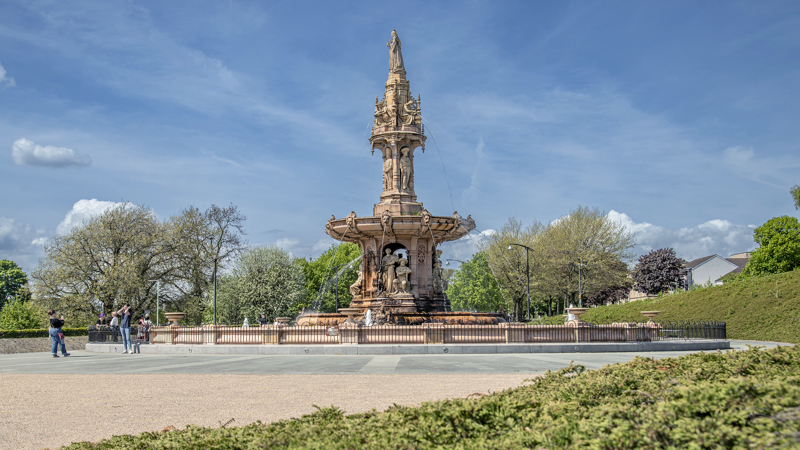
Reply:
x=428, y=333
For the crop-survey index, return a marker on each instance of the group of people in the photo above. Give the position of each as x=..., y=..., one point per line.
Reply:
x=120, y=322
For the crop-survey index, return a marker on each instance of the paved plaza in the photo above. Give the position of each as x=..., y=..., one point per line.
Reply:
x=104, y=394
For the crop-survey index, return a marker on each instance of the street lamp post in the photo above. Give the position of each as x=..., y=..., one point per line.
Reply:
x=158, y=291
x=215, y=290
x=447, y=263
x=527, y=275
x=216, y=260
x=580, y=264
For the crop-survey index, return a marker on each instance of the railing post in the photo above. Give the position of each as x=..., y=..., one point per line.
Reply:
x=209, y=334
x=348, y=333
x=433, y=333
x=515, y=332
x=271, y=334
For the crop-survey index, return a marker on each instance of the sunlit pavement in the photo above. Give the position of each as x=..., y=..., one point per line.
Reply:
x=82, y=362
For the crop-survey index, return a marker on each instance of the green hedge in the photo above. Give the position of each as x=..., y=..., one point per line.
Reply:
x=736, y=399
x=41, y=332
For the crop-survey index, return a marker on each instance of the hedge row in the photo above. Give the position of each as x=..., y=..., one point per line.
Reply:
x=737, y=399
x=41, y=332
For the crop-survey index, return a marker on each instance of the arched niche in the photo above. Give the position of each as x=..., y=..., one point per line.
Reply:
x=396, y=248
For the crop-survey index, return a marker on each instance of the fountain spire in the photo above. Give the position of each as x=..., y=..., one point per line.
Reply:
x=396, y=134
x=401, y=277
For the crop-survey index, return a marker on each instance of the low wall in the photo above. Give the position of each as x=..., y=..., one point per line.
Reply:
x=33, y=345
x=428, y=333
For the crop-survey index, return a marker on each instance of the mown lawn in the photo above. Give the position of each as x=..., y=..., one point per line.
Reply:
x=765, y=309
x=747, y=399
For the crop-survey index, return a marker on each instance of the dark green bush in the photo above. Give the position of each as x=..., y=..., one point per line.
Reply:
x=737, y=399
x=41, y=332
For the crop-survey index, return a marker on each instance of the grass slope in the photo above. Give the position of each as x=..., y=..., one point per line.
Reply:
x=765, y=308
x=748, y=399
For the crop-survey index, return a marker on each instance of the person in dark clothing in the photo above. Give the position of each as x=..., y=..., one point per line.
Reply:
x=102, y=322
x=125, y=326
x=262, y=320
x=57, y=334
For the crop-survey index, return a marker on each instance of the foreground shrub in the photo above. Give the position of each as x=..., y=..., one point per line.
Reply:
x=746, y=399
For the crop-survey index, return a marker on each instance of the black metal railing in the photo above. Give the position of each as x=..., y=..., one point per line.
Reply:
x=111, y=335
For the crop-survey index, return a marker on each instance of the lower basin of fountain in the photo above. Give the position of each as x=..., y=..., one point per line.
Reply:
x=416, y=318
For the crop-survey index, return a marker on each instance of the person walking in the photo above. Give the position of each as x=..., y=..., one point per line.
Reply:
x=125, y=327
x=57, y=334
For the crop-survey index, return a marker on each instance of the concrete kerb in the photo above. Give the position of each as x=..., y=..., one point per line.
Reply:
x=418, y=349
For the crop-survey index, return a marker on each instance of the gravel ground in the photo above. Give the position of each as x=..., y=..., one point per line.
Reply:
x=48, y=411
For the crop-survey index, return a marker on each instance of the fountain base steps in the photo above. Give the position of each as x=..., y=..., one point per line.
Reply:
x=419, y=349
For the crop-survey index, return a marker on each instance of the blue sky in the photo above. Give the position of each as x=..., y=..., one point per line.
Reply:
x=679, y=119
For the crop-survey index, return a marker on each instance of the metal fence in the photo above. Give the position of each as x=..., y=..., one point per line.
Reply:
x=112, y=335
x=428, y=333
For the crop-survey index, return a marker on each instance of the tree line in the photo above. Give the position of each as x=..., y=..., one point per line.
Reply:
x=585, y=241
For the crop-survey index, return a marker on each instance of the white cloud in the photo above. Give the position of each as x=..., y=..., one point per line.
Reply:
x=28, y=153
x=5, y=80
x=82, y=211
x=20, y=243
x=713, y=237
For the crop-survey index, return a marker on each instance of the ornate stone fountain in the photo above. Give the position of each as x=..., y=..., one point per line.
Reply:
x=400, y=278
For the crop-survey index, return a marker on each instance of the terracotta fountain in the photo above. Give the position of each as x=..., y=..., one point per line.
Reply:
x=400, y=279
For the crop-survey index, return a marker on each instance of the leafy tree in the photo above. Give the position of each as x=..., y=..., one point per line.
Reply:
x=12, y=278
x=795, y=191
x=197, y=239
x=779, y=247
x=509, y=266
x=587, y=234
x=473, y=287
x=103, y=263
x=262, y=280
x=320, y=276
x=659, y=271
x=609, y=295
x=117, y=257
x=22, y=314
x=602, y=246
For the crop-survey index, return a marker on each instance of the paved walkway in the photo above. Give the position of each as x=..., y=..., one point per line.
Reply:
x=101, y=394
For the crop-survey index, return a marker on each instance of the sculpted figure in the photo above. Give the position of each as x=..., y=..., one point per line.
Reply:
x=410, y=112
x=402, y=272
x=355, y=288
x=405, y=168
x=388, y=263
x=388, y=166
x=380, y=113
x=395, y=55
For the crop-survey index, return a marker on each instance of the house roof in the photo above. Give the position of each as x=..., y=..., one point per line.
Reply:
x=741, y=262
x=694, y=263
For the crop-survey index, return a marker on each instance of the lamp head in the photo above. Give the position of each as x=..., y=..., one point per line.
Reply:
x=509, y=247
